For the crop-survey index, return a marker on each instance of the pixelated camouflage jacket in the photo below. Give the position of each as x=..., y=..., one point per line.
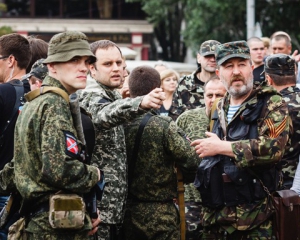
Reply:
x=194, y=123
x=44, y=162
x=109, y=112
x=189, y=95
x=162, y=145
x=291, y=96
x=267, y=149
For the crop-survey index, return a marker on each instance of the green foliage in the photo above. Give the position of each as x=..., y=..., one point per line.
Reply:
x=217, y=19
x=5, y=30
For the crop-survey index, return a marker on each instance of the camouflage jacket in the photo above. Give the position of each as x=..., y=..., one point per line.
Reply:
x=47, y=149
x=109, y=112
x=291, y=96
x=162, y=145
x=267, y=149
x=194, y=123
x=189, y=95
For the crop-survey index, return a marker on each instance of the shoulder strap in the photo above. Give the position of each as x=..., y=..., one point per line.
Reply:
x=18, y=85
x=136, y=146
x=35, y=93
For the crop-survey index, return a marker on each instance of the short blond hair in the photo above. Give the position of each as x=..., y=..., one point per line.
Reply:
x=168, y=73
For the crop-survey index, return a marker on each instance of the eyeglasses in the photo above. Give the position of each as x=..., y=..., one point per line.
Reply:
x=4, y=57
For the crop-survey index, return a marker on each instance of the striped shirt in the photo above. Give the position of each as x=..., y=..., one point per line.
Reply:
x=231, y=111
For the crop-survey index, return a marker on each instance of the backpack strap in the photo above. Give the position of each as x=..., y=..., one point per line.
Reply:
x=35, y=93
x=18, y=85
x=136, y=146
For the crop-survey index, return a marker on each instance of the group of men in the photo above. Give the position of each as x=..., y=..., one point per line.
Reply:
x=238, y=142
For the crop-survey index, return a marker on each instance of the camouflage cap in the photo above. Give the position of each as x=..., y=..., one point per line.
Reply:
x=64, y=46
x=232, y=50
x=208, y=47
x=280, y=64
x=39, y=70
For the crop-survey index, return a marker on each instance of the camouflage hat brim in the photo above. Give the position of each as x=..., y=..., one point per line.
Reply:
x=68, y=55
x=207, y=53
x=237, y=55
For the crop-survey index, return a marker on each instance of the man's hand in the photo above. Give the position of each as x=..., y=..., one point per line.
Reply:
x=153, y=99
x=95, y=223
x=296, y=56
x=125, y=92
x=212, y=146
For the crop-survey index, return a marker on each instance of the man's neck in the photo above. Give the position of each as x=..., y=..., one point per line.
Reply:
x=16, y=74
x=256, y=65
x=204, y=76
x=279, y=88
x=238, y=101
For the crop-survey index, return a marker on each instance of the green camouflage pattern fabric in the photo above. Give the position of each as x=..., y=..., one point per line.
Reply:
x=280, y=64
x=266, y=150
x=263, y=232
x=66, y=45
x=37, y=228
x=109, y=112
x=7, y=182
x=189, y=95
x=39, y=70
x=162, y=145
x=208, y=47
x=42, y=164
x=151, y=221
x=230, y=50
x=194, y=123
x=291, y=96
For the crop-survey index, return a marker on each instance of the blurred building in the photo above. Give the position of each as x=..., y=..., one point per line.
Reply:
x=121, y=22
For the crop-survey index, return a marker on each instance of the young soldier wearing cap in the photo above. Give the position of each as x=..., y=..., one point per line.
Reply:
x=250, y=131
x=47, y=149
x=190, y=90
x=280, y=71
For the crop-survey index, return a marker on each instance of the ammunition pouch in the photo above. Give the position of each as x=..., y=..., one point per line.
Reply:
x=209, y=182
x=222, y=183
x=67, y=211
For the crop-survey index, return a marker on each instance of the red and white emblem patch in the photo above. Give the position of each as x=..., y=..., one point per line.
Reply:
x=71, y=144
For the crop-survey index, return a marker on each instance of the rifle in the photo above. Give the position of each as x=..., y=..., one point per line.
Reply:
x=85, y=130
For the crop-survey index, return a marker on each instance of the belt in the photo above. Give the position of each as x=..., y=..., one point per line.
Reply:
x=40, y=208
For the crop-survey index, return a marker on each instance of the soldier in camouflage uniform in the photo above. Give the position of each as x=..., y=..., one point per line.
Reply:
x=37, y=74
x=109, y=112
x=194, y=123
x=150, y=211
x=47, y=150
x=250, y=131
x=190, y=90
x=280, y=73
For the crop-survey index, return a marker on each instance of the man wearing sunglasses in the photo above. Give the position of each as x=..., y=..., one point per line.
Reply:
x=15, y=55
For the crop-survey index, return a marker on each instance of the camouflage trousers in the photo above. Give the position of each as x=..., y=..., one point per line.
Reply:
x=38, y=227
x=193, y=220
x=263, y=232
x=153, y=220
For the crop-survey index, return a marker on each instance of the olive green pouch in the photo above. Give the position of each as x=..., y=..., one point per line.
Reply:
x=67, y=211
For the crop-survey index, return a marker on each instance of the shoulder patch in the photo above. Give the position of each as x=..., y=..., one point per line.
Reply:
x=71, y=149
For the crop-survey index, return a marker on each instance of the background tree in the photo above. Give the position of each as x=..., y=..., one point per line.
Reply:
x=216, y=19
x=167, y=18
